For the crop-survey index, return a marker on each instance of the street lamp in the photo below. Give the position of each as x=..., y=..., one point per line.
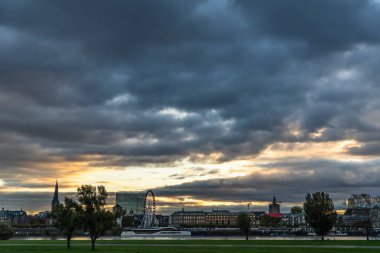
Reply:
x=249, y=204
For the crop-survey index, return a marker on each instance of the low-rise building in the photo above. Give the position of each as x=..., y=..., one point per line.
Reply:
x=353, y=216
x=294, y=219
x=44, y=218
x=13, y=217
x=188, y=218
x=374, y=214
x=215, y=218
x=163, y=220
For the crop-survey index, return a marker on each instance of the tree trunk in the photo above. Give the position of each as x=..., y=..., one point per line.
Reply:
x=323, y=237
x=93, y=243
x=68, y=239
x=246, y=236
x=367, y=237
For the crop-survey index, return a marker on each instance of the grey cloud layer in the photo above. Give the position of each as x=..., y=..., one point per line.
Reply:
x=102, y=78
x=289, y=182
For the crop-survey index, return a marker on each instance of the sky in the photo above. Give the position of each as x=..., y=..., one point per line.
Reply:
x=210, y=103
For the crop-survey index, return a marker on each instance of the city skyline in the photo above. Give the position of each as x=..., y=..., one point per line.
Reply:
x=362, y=200
x=214, y=103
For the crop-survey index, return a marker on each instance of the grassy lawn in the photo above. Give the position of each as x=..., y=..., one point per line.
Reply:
x=187, y=246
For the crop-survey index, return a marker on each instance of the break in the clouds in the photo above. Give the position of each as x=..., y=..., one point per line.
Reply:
x=106, y=86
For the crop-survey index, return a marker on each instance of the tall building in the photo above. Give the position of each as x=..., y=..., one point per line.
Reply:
x=55, y=201
x=274, y=207
x=131, y=201
x=117, y=210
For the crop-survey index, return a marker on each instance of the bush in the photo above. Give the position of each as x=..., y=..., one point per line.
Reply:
x=6, y=231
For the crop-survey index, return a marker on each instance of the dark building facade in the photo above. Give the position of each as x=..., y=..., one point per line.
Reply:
x=131, y=201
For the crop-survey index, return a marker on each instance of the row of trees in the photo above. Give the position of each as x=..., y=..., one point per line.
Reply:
x=319, y=213
x=87, y=213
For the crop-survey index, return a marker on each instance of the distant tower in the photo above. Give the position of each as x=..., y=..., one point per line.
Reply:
x=274, y=207
x=55, y=201
x=118, y=212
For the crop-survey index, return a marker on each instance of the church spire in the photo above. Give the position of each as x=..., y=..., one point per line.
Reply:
x=55, y=201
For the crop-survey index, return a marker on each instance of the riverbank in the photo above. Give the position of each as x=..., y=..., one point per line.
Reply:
x=212, y=238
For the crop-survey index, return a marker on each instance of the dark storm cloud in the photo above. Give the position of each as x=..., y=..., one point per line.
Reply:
x=324, y=26
x=38, y=201
x=30, y=201
x=370, y=149
x=108, y=30
x=153, y=82
x=31, y=185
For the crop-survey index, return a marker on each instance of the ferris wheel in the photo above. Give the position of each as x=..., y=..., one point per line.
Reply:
x=149, y=218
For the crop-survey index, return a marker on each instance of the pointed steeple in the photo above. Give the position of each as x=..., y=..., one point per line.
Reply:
x=55, y=201
x=274, y=200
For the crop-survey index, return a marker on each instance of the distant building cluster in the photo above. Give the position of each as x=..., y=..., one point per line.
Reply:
x=363, y=201
x=13, y=217
x=226, y=218
x=130, y=212
x=361, y=208
x=20, y=218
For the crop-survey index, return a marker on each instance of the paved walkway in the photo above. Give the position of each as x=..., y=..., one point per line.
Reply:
x=194, y=245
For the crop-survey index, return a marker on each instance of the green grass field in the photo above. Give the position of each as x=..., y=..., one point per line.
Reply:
x=187, y=246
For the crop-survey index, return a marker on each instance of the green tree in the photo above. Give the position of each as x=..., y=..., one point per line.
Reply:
x=296, y=210
x=267, y=221
x=320, y=212
x=244, y=223
x=67, y=218
x=96, y=220
x=6, y=231
x=366, y=224
x=34, y=221
x=128, y=221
